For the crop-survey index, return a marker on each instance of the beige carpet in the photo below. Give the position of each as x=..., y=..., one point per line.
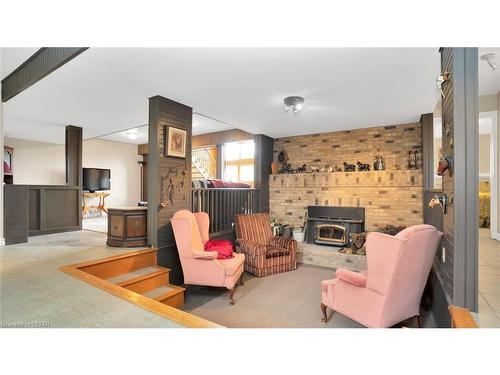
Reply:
x=287, y=300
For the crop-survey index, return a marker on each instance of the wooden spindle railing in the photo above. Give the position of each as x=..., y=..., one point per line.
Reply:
x=222, y=204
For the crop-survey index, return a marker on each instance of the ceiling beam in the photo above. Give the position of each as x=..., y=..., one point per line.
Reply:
x=38, y=66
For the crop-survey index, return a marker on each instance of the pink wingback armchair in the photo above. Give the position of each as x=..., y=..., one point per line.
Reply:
x=389, y=292
x=202, y=267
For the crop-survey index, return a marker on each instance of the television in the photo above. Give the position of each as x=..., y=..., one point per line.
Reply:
x=96, y=179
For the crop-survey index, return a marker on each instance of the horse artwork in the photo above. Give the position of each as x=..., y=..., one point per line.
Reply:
x=445, y=164
x=439, y=200
x=349, y=167
x=362, y=167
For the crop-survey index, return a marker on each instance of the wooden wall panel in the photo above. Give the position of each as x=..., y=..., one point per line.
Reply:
x=456, y=272
x=54, y=200
x=217, y=138
x=446, y=269
x=163, y=113
x=15, y=214
x=263, y=159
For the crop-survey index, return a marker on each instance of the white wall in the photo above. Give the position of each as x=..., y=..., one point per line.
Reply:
x=122, y=159
x=40, y=163
x=491, y=103
x=484, y=153
x=498, y=162
x=37, y=163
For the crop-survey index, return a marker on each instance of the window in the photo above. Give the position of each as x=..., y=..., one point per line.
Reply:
x=239, y=161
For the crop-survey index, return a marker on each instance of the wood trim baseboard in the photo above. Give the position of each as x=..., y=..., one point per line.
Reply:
x=171, y=313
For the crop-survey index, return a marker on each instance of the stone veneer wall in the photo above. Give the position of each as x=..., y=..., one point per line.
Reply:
x=393, y=196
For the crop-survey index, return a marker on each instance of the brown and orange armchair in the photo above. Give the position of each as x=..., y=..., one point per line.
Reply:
x=264, y=254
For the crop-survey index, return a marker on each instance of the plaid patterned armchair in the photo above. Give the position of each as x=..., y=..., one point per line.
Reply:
x=264, y=254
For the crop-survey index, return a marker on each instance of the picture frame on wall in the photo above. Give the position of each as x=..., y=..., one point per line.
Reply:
x=175, y=142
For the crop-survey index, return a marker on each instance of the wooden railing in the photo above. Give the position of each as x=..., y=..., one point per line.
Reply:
x=223, y=204
x=204, y=162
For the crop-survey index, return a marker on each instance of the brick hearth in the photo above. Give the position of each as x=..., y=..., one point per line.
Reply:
x=328, y=256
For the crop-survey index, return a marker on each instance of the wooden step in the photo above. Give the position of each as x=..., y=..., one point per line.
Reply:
x=121, y=264
x=169, y=294
x=124, y=278
x=146, y=283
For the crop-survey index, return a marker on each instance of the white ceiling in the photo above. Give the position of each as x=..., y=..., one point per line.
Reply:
x=139, y=135
x=105, y=90
x=489, y=80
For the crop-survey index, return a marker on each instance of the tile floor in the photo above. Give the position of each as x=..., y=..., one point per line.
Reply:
x=489, y=280
x=33, y=290
x=96, y=224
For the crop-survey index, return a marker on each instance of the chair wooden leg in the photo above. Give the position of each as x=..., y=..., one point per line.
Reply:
x=231, y=294
x=417, y=319
x=323, y=310
x=241, y=280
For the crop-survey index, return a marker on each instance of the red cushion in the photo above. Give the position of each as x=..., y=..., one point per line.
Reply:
x=217, y=183
x=223, y=247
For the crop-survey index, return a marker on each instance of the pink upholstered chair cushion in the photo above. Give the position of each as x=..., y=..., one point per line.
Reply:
x=391, y=289
x=232, y=265
x=354, y=278
x=196, y=242
x=202, y=267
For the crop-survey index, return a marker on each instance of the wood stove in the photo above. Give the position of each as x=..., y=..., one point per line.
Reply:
x=331, y=234
x=332, y=226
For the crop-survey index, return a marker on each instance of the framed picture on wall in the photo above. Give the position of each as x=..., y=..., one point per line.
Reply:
x=175, y=142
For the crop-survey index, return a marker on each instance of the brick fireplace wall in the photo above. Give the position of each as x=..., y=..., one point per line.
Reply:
x=393, y=196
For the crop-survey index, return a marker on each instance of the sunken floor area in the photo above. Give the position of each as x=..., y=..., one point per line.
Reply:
x=286, y=300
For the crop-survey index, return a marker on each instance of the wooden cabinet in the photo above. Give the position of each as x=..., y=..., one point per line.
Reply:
x=127, y=226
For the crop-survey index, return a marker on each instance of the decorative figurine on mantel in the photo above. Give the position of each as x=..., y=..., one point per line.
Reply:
x=412, y=160
x=362, y=167
x=349, y=167
x=379, y=163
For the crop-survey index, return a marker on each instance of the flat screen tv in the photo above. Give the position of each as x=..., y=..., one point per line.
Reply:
x=96, y=179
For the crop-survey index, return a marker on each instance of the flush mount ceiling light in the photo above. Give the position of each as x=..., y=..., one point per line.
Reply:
x=132, y=134
x=294, y=103
x=489, y=57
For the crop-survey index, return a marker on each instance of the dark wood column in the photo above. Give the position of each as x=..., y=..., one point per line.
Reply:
x=263, y=160
x=74, y=147
x=454, y=275
x=73, y=156
x=162, y=171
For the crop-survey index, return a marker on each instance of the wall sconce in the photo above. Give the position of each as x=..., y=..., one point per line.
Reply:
x=441, y=80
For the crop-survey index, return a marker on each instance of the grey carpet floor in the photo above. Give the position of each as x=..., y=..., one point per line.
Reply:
x=286, y=300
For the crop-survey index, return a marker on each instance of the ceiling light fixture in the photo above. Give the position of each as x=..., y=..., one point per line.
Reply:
x=293, y=102
x=488, y=58
x=132, y=134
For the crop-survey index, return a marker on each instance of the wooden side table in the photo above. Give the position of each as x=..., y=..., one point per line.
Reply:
x=101, y=206
x=127, y=226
